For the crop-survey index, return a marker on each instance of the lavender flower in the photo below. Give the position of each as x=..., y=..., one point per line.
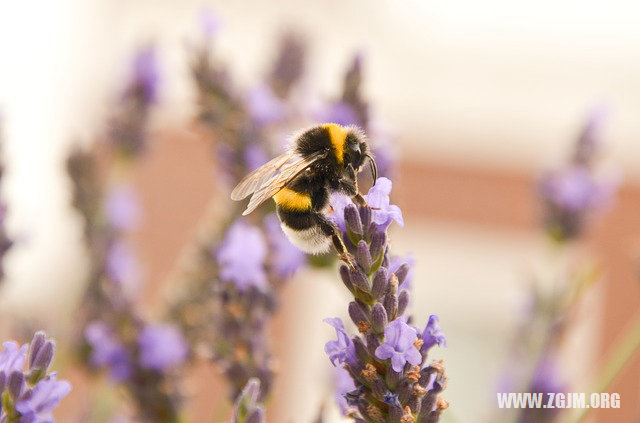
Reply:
x=289, y=64
x=432, y=334
x=241, y=256
x=162, y=347
x=342, y=349
x=399, y=345
x=387, y=361
x=570, y=194
x=107, y=351
x=122, y=209
x=285, y=258
x=29, y=396
x=264, y=107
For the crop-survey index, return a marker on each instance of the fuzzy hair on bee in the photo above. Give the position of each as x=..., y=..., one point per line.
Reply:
x=322, y=159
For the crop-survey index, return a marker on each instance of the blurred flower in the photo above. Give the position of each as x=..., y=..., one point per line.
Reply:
x=264, y=106
x=108, y=351
x=122, y=208
x=210, y=23
x=343, y=385
x=123, y=267
x=340, y=113
x=255, y=156
x=399, y=345
x=144, y=80
x=285, y=258
x=241, y=256
x=288, y=66
x=572, y=193
x=162, y=347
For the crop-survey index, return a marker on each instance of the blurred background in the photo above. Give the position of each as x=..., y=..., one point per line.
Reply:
x=476, y=100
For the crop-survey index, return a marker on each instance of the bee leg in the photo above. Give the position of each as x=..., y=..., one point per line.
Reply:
x=330, y=230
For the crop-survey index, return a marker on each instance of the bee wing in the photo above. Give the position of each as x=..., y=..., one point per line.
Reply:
x=284, y=174
x=256, y=179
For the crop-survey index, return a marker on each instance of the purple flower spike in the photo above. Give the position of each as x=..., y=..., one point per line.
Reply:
x=162, y=347
x=378, y=198
x=36, y=406
x=122, y=208
x=340, y=113
x=339, y=203
x=342, y=349
x=145, y=75
x=264, y=106
x=108, y=351
x=398, y=345
x=12, y=358
x=241, y=256
x=286, y=258
x=432, y=334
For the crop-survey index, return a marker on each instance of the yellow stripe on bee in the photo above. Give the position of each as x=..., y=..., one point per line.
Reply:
x=292, y=200
x=337, y=135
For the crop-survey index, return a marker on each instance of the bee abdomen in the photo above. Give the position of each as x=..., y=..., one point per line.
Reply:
x=289, y=199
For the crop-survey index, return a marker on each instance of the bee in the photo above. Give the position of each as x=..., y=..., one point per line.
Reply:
x=321, y=160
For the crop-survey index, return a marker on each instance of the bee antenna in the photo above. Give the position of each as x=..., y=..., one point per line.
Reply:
x=373, y=166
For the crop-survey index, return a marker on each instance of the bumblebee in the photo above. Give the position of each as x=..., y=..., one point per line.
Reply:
x=321, y=160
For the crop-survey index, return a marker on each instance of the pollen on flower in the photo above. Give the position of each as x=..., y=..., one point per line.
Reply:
x=418, y=343
x=419, y=391
x=407, y=417
x=414, y=373
x=235, y=310
x=374, y=413
x=369, y=373
x=364, y=327
x=438, y=366
x=442, y=404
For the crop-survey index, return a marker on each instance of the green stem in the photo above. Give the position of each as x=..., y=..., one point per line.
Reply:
x=623, y=353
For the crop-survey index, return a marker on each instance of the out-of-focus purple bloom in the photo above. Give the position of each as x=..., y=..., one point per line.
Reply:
x=341, y=350
x=343, y=385
x=122, y=208
x=241, y=256
x=162, y=347
x=286, y=258
x=246, y=408
x=264, y=106
x=37, y=404
x=12, y=357
x=340, y=113
x=255, y=156
x=572, y=189
x=210, y=23
x=144, y=81
x=399, y=346
x=590, y=142
x=378, y=199
x=122, y=266
x=108, y=351
x=432, y=334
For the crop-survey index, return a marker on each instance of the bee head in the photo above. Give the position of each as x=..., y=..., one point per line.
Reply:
x=357, y=151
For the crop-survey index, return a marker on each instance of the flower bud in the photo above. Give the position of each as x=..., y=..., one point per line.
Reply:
x=37, y=342
x=344, y=274
x=16, y=384
x=358, y=313
x=257, y=416
x=44, y=356
x=365, y=216
x=372, y=343
x=379, y=318
x=363, y=257
x=402, y=272
x=361, y=350
x=360, y=280
x=3, y=381
x=390, y=303
x=403, y=301
x=352, y=219
x=378, y=242
x=380, y=279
